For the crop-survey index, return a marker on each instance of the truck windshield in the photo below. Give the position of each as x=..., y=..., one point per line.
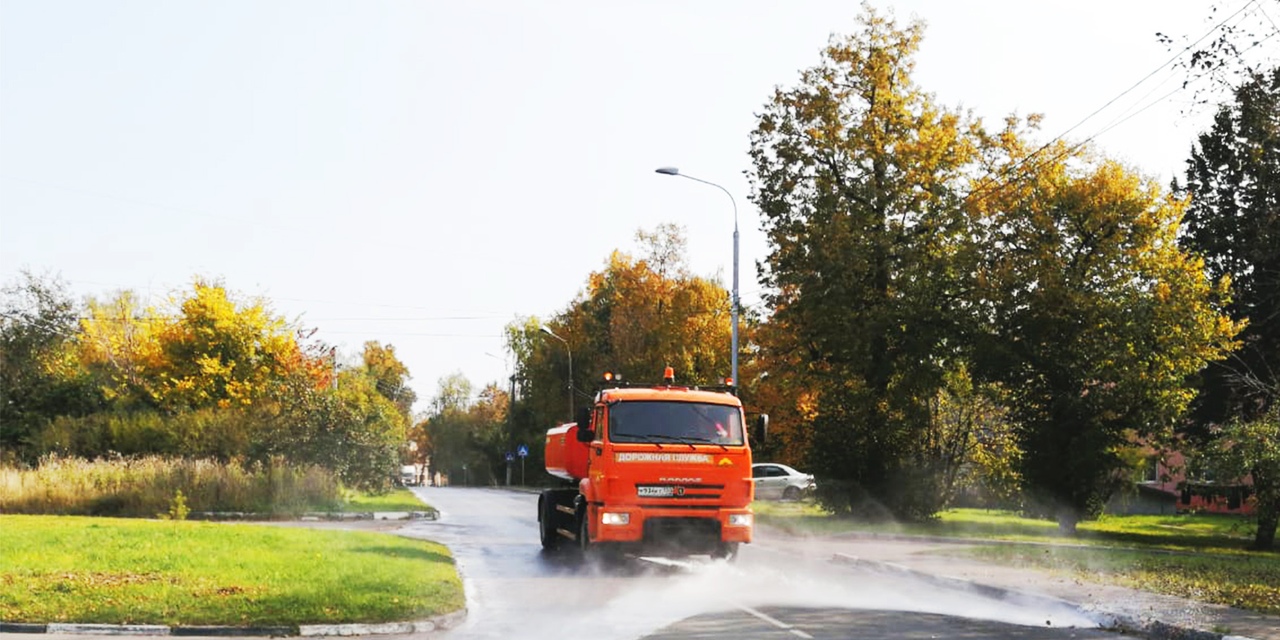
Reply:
x=641, y=421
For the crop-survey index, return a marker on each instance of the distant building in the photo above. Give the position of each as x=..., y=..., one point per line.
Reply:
x=1166, y=489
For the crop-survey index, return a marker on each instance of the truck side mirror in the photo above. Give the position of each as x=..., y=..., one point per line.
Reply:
x=585, y=432
x=762, y=428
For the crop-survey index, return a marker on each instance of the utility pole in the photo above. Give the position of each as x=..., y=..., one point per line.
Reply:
x=511, y=423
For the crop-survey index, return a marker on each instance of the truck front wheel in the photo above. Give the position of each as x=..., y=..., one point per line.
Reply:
x=606, y=553
x=584, y=537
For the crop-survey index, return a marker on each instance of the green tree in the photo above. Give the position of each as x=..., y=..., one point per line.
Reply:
x=352, y=430
x=859, y=177
x=40, y=378
x=447, y=428
x=1251, y=448
x=1233, y=220
x=468, y=430
x=1097, y=317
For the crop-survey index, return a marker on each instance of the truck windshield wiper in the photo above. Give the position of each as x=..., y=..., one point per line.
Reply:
x=681, y=439
x=642, y=437
x=691, y=439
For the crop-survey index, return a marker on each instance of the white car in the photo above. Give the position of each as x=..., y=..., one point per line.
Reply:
x=779, y=482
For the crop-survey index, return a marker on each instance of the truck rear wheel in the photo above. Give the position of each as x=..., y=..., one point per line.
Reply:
x=547, y=522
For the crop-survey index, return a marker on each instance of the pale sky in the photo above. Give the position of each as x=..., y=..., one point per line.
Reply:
x=422, y=173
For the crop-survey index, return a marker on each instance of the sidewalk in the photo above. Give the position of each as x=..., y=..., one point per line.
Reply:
x=926, y=556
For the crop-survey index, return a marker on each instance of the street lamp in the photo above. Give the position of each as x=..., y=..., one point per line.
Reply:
x=734, y=303
x=570, y=352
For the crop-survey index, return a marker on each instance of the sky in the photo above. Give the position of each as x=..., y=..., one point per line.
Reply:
x=422, y=173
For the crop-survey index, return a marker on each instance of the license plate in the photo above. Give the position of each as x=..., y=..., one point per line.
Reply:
x=654, y=492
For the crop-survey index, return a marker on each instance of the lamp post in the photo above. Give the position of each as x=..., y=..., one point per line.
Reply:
x=734, y=303
x=570, y=352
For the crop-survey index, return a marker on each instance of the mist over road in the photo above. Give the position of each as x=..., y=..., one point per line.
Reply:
x=775, y=589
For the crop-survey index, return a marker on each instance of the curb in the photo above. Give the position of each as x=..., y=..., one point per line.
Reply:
x=1109, y=621
x=435, y=623
x=438, y=623
x=108, y=629
x=22, y=627
x=233, y=631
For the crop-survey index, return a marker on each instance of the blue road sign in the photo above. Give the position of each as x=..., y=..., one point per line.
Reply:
x=510, y=456
x=522, y=451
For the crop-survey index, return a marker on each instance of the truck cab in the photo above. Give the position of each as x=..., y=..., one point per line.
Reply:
x=652, y=469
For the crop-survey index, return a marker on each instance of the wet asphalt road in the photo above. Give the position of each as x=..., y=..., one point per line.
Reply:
x=772, y=591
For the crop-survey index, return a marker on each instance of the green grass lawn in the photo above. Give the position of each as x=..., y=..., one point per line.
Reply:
x=106, y=570
x=1198, y=531
x=1245, y=580
x=399, y=499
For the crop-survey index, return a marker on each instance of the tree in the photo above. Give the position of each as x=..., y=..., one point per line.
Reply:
x=859, y=176
x=119, y=344
x=40, y=378
x=1229, y=54
x=1233, y=220
x=636, y=316
x=222, y=352
x=210, y=350
x=390, y=376
x=467, y=434
x=1097, y=319
x=447, y=428
x=352, y=430
x=1251, y=448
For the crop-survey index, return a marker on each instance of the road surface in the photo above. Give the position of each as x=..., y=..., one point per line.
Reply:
x=514, y=590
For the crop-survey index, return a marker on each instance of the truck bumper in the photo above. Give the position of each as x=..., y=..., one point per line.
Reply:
x=656, y=525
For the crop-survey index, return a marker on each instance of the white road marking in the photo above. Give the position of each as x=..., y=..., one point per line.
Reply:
x=775, y=622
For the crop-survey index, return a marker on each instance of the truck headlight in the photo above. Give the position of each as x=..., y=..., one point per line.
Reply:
x=739, y=519
x=615, y=518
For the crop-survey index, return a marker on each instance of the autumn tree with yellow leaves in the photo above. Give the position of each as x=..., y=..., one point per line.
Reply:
x=636, y=316
x=209, y=375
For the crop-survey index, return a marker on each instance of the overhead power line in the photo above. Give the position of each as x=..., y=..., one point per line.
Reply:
x=984, y=184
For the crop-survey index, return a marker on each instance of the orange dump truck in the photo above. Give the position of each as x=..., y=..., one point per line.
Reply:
x=655, y=469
